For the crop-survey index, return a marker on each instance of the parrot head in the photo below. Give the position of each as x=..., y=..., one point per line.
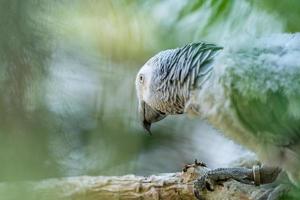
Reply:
x=157, y=95
x=148, y=99
x=165, y=82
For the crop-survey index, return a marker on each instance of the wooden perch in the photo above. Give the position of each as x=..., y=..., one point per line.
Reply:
x=170, y=186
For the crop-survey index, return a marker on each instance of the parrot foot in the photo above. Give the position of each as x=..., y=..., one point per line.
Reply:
x=256, y=176
x=275, y=194
x=217, y=176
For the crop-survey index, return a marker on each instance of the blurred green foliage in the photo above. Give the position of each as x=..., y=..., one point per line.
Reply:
x=288, y=11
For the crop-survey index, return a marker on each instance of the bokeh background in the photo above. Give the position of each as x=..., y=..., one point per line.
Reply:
x=67, y=68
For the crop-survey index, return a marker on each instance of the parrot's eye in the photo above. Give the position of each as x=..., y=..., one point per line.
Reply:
x=141, y=78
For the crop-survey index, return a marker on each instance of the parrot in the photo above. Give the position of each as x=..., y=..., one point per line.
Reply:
x=248, y=90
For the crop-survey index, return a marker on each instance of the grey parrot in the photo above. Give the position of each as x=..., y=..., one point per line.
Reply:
x=249, y=90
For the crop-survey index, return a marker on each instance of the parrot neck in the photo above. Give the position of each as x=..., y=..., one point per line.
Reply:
x=214, y=106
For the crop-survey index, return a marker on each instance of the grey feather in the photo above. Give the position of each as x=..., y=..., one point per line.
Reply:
x=181, y=70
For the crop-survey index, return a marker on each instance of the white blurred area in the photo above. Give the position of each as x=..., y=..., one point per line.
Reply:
x=194, y=140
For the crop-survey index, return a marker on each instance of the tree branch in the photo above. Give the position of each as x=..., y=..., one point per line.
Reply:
x=170, y=186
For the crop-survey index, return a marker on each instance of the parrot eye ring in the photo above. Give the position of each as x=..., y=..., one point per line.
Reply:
x=141, y=78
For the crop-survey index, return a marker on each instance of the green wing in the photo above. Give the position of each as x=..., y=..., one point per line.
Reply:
x=263, y=80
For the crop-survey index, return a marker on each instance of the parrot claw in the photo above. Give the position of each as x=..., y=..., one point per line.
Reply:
x=195, y=164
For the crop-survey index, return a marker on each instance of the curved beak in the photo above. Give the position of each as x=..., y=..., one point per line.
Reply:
x=148, y=115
